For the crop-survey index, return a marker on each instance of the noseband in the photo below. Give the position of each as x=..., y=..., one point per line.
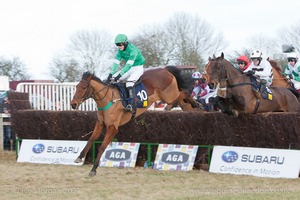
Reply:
x=88, y=93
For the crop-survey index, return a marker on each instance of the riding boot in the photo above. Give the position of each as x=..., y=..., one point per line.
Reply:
x=257, y=94
x=129, y=107
x=262, y=88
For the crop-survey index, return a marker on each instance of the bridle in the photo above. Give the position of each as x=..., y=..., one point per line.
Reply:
x=89, y=92
x=222, y=77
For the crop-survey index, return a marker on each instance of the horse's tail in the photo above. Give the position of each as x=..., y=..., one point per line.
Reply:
x=183, y=81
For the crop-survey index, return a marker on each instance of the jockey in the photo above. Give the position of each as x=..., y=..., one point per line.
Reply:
x=243, y=62
x=201, y=91
x=292, y=69
x=261, y=68
x=133, y=68
x=200, y=88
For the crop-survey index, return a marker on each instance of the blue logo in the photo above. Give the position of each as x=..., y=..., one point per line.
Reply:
x=229, y=156
x=38, y=148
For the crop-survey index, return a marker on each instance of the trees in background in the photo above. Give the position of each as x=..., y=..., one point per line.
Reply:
x=182, y=40
x=87, y=51
x=14, y=68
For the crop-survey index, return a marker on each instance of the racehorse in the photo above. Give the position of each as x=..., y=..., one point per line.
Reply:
x=164, y=84
x=279, y=80
x=238, y=90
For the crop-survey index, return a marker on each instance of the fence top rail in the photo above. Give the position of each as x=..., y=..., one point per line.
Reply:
x=21, y=85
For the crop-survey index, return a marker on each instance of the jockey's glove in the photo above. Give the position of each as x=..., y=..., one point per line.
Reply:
x=290, y=76
x=109, y=77
x=250, y=72
x=117, y=77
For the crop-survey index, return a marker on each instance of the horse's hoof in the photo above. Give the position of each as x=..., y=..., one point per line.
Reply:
x=92, y=173
x=78, y=160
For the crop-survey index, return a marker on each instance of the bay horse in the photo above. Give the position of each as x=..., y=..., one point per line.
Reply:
x=238, y=89
x=279, y=80
x=165, y=84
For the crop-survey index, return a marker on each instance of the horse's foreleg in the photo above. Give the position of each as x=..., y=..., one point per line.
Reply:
x=186, y=101
x=110, y=134
x=95, y=135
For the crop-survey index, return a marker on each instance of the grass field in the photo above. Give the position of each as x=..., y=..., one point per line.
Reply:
x=42, y=181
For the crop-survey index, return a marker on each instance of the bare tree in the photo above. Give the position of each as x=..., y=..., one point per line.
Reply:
x=182, y=40
x=291, y=35
x=87, y=51
x=67, y=71
x=193, y=38
x=155, y=45
x=15, y=69
x=267, y=45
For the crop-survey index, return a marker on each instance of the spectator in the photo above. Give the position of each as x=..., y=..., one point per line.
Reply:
x=6, y=128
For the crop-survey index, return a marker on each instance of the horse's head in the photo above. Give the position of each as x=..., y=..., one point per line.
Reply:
x=216, y=70
x=83, y=90
x=207, y=72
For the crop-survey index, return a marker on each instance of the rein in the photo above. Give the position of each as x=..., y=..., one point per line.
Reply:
x=220, y=79
x=85, y=96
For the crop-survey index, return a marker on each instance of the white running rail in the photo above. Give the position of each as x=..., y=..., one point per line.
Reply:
x=57, y=96
x=53, y=96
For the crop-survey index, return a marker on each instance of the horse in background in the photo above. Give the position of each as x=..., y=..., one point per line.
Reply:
x=279, y=80
x=165, y=84
x=237, y=91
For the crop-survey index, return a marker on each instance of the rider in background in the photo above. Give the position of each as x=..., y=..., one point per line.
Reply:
x=201, y=90
x=200, y=87
x=292, y=70
x=261, y=68
x=243, y=62
x=133, y=68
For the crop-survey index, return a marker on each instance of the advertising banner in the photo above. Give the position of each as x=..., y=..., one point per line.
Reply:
x=120, y=154
x=175, y=157
x=50, y=151
x=262, y=162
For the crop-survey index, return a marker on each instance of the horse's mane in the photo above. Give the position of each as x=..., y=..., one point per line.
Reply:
x=88, y=74
x=275, y=65
x=230, y=64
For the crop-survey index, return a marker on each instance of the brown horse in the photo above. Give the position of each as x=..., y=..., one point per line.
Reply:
x=161, y=84
x=279, y=80
x=238, y=88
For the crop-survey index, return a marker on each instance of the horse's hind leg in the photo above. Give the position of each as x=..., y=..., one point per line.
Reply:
x=187, y=102
x=110, y=134
x=95, y=135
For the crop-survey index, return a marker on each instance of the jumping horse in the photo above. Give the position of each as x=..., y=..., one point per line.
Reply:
x=279, y=80
x=165, y=84
x=237, y=90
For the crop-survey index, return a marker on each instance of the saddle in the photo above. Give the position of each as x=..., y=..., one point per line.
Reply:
x=264, y=91
x=140, y=96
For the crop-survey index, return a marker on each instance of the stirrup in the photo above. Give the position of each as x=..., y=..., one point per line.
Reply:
x=128, y=108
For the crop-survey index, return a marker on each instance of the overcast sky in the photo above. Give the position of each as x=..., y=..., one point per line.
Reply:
x=35, y=29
